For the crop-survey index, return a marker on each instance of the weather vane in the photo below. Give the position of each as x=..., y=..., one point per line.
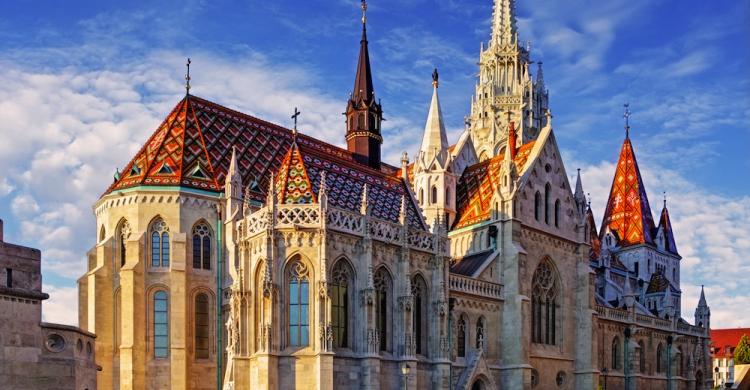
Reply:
x=626, y=115
x=187, y=77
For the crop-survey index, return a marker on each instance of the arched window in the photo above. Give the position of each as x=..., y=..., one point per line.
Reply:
x=616, y=353
x=544, y=298
x=461, y=337
x=480, y=333
x=420, y=324
x=447, y=196
x=123, y=233
x=659, y=359
x=642, y=357
x=299, y=305
x=102, y=234
x=159, y=244
x=434, y=199
x=161, y=324
x=201, y=246
x=382, y=286
x=340, y=277
x=557, y=213
x=201, y=326
x=547, y=208
x=538, y=206
x=421, y=196
x=362, y=122
x=679, y=362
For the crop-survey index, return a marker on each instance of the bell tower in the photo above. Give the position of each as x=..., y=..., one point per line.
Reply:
x=363, y=112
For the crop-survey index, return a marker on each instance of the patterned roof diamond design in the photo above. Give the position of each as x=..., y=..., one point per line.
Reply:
x=628, y=212
x=293, y=184
x=477, y=185
x=666, y=223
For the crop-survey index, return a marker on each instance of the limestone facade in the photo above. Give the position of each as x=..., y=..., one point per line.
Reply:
x=34, y=354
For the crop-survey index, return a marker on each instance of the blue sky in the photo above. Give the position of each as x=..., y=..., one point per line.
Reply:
x=84, y=83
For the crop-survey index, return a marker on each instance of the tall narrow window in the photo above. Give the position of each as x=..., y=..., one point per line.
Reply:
x=161, y=324
x=434, y=199
x=538, y=206
x=382, y=286
x=480, y=333
x=340, y=276
x=201, y=246
x=9, y=278
x=159, y=244
x=616, y=354
x=642, y=357
x=421, y=196
x=547, y=208
x=544, y=298
x=201, y=326
x=461, y=337
x=419, y=325
x=299, y=304
x=659, y=359
x=557, y=213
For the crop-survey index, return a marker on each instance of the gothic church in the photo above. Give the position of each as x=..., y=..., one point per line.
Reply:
x=234, y=253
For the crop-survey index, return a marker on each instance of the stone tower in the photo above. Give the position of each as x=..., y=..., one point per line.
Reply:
x=505, y=87
x=434, y=178
x=363, y=112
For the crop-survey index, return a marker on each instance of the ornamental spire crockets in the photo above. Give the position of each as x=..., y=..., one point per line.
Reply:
x=504, y=31
x=435, y=138
x=363, y=112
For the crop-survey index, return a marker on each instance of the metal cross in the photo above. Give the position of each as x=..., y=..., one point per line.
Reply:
x=295, y=116
x=626, y=115
x=187, y=77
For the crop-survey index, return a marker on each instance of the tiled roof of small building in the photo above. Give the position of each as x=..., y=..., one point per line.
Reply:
x=477, y=185
x=468, y=265
x=721, y=339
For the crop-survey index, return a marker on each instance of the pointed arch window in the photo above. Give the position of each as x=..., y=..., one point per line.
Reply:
x=557, y=213
x=420, y=324
x=659, y=359
x=299, y=305
x=202, y=246
x=544, y=304
x=616, y=353
x=461, y=337
x=161, y=324
x=421, y=196
x=480, y=333
x=159, y=244
x=547, y=196
x=433, y=198
x=340, y=279
x=538, y=206
x=201, y=326
x=642, y=357
x=382, y=282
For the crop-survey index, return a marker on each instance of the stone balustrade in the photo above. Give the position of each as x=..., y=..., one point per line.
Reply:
x=476, y=287
x=647, y=321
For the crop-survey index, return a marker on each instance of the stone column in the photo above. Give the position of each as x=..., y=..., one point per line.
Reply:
x=179, y=320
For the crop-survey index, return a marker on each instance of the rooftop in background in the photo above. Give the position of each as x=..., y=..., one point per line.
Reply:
x=723, y=338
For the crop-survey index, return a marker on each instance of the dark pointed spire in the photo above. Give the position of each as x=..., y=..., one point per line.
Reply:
x=665, y=224
x=363, y=89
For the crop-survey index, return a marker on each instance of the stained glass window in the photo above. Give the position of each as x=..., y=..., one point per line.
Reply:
x=201, y=326
x=340, y=303
x=299, y=304
x=161, y=324
x=159, y=244
x=201, y=246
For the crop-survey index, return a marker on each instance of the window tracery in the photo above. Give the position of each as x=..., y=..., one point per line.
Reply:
x=382, y=283
x=340, y=277
x=202, y=246
x=299, y=305
x=544, y=304
x=159, y=244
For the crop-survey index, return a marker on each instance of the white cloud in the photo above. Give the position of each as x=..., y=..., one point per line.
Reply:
x=62, y=305
x=24, y=206
x=5, y=187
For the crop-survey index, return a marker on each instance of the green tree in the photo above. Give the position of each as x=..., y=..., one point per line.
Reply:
x=742, y=352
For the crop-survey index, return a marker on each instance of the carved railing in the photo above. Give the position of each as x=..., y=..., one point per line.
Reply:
x=345, y=221
x=297, y=215
x=647, y=321
x=257, y=222
x=385, y=231
x=477, y=287
x=421, y=240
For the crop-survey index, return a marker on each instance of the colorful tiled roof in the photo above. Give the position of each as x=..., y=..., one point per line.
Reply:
x=721, y=339
x=596, y=244
x=196, y=139
x=628, y=212
x=293, y=183
x=477, y=185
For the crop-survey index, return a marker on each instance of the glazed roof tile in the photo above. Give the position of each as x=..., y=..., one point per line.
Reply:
x=195, y=143
x=468, y=265
x=477, y=185
x=628, y=212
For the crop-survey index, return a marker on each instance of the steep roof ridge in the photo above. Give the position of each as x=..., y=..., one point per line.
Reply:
x=212, y=173
x=666, y=224
x=628, y=196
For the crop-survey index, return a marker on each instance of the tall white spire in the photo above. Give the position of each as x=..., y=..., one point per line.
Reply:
x=504, y=31
x=435, y=139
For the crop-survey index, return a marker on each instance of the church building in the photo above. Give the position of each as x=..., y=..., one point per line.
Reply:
x=234, y=253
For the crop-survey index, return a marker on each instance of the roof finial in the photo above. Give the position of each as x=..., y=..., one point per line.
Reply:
x=665, y=199
x=364, y=14
x=435, y=78
x=187, y=77
x=626, y=115
x=295, y=116
x=588, y=195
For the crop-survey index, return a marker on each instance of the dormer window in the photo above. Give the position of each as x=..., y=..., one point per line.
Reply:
x=165, y=169
x=135, y=171
x=198, y=172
